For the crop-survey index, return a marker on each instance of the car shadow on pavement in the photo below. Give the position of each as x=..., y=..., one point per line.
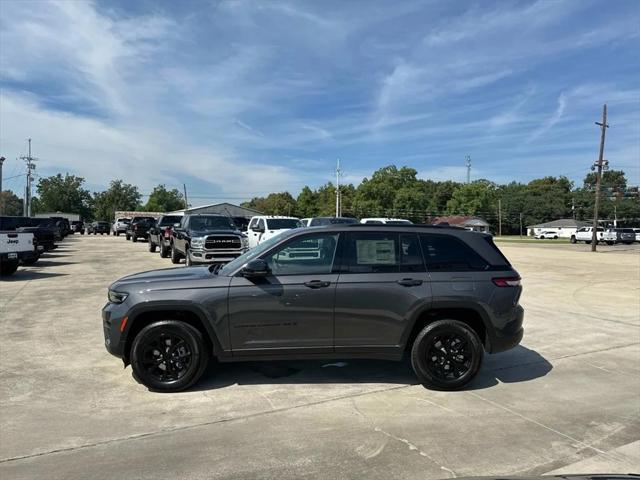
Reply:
x=520, y=364
x=51, y=263
x=24, y=275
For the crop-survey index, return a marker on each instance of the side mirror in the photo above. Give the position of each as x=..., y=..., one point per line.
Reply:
x=258, y=229
x=176, y=225
x=256, y=268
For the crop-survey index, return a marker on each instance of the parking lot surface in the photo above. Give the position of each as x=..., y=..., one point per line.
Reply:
x=566, y=400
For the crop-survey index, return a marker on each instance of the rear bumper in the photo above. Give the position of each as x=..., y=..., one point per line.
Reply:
x=17, y=256
x=509, y=336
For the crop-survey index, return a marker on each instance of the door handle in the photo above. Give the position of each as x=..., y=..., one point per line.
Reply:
x=409, y=282
x=316, y=284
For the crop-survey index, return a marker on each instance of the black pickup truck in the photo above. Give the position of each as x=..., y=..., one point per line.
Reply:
x=207, y=239
x=139, y=228
x=45, y=232
x=160, y=234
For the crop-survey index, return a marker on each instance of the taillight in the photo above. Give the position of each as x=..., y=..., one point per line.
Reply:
x=507, y=281
x=167, y=232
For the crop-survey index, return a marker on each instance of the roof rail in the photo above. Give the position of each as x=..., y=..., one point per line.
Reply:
x=407, y=225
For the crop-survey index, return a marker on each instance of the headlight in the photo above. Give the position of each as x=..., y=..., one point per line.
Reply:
x=198, y=242
x=244, y=241
x=117, y=297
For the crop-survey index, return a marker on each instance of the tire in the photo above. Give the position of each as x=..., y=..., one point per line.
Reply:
x=152, y=246
x=588, y=242
x=117, y=233
x=134, y=238
x=573, y=239
x=82, y=233
x=127, y=236
x=555, y=237
x=8, y=268
x=610, y=243
x=164, y=251
x=175, y=256
x=176, y=376
x=101, y=233
x=187, y=260
x=436, y=374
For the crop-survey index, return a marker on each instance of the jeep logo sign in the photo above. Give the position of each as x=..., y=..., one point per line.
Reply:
x=12, y=241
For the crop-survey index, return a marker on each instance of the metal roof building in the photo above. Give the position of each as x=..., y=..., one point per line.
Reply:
x=221, y=208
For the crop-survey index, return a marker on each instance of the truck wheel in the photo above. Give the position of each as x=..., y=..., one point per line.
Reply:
x=152, y=246
x=8, y=268
x=573, y=239
x=127, y=236
x=134, y=238
x=164, y=251
x=81, y=232
x=610, y=243
x=175, y=256
x=187, y=259
x=169, y=356
x=117, y=233
x=446, y=355
x=588, y=242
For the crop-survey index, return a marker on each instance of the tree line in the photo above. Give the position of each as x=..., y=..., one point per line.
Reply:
x=398, y=192
x=389, y=192
x=67, y=194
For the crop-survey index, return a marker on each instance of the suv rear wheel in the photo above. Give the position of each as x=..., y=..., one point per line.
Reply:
x=169, y=356
x=164, y=251
x=446, y=355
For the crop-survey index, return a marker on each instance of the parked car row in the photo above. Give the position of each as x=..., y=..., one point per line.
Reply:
x=24, y=239
x=610, y=236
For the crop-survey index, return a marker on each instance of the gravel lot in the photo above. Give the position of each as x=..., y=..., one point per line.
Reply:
x=567, y=400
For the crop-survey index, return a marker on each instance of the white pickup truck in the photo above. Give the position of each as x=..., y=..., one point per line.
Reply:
x=263, y=227
x=585, y=234
x=15, y=246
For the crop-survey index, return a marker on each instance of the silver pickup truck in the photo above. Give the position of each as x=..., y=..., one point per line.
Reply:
x=15, y=246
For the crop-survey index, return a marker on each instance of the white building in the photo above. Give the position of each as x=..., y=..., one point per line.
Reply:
x=564, y=227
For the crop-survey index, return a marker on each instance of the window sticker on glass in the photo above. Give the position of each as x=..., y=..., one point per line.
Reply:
x=376, y=252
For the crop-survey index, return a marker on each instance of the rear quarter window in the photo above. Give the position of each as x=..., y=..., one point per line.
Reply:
x=445, y=253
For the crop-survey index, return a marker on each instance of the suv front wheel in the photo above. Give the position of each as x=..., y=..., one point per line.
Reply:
x=169, y=356
x=446, y=355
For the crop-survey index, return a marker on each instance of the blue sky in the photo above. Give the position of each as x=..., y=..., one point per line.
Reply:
x=238, y=99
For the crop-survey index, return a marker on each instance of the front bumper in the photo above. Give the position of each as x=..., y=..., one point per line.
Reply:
x=215, y=256
x=510, y=335
x=112, y=316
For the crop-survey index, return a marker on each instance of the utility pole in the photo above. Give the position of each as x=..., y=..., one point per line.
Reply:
x=2, y=159
x=468, y=158
x=601, y=163
x=186, y=202
x=520, y=224
x=27, y=193
x=499, y=217
x=338, y=175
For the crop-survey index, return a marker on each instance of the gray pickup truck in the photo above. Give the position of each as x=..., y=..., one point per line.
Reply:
x=441, y=295
x=207, y=239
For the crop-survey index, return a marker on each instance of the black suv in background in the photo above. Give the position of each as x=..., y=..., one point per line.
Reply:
x=77, y=227
x=207, y=239
x=160, y=234
x=442, y=295
x=99, y=227
x=139, y=228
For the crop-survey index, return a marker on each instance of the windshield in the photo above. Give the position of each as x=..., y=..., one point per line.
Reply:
x=210, y=223
x=253, y=253
x=316, y=222
x=282, y=223
x=169, y=220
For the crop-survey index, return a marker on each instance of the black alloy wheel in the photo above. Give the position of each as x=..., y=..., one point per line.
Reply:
x=169, y=356
x=446, y=355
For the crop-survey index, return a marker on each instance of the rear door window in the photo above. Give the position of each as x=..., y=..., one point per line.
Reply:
x=445, y=253
x=372, y=253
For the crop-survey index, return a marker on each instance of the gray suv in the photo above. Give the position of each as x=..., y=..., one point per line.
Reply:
x=442, y=295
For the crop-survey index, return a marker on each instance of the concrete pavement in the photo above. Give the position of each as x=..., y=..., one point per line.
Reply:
x=570, y=393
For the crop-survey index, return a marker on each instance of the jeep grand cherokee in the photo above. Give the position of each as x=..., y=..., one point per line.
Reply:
x=443, y=295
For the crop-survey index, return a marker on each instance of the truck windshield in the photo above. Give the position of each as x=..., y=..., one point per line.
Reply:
x=282, y=223
x=210, y=223
x=169, y=220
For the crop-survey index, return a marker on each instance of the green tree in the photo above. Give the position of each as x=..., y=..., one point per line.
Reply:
x=119, y=196
x=411, y=202
x=64, y=194
x=10, y=204
x=475, y=198
x=307, y=203
x=610, y=179
x=163, y=200
x=380, y=191
x=273, y=204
